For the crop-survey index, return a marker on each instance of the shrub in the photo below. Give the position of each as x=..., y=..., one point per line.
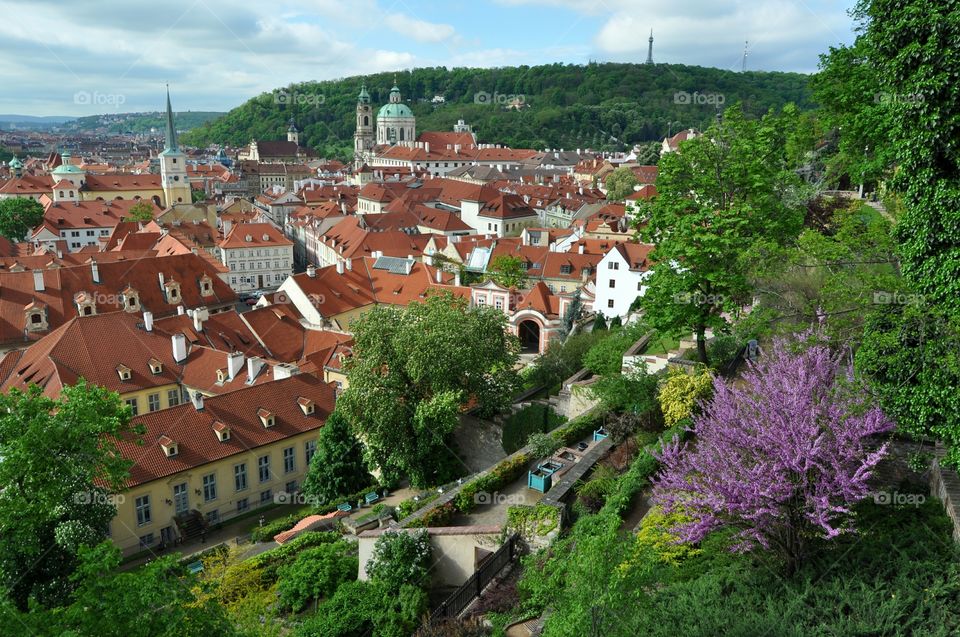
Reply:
x=316, y=573
x=657, y=534
x=240, y=580
x=401, y=557
x=542, y=445
x=594, y=492
x=682, y=392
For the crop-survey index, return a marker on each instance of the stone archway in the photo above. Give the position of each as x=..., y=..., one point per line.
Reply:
x=528, y=331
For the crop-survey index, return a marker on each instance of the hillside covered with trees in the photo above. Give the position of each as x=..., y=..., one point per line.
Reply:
x=602, y=106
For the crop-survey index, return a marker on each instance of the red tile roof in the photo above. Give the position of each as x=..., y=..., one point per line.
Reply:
x=254, y=235
x=198, y=443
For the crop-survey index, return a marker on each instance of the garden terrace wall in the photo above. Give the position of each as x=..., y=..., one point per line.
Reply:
x=439, y=510
x=556, y=496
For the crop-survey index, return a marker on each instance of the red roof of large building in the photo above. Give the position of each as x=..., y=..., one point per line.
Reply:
x=254, y=235
x=194, y=433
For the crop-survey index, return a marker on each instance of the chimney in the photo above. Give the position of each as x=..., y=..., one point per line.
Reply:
x=408, y=266
x=160, y=276
x=199, y=316
x=339, y=266
x=179, y=347
x=95, y=271
x=38, y=281
x=312, y=271
x=350, y=265
x=234, y=364
x=227, y=224
x=254, y=365
x=580, y=249
x=439, y=275
x=148, y=321
x=180, y=310
x=456, y=278
x=197, y=399
x=284, y=370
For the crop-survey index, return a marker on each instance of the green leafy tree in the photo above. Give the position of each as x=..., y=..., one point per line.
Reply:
x=316, y=574
x=414, y=369
x=857, y=112
x=909, y=357
x=907, y=44
x=18, y=216
x=508, y=271
x=401, y=557
x=60, y=466
x=141, y=211
x=620, y=184
x=337, y=468
x=197, y=196
x=724, y=194
x=157, y=600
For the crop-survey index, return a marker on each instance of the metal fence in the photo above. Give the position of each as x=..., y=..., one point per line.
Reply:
x=471, y=589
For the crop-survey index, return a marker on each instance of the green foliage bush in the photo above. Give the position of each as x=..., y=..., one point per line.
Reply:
x=401, y=557
x=498, y=478
x=316, y=573
x=536, y=418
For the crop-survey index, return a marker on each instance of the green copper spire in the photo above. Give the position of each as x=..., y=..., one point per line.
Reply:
x=171, y=139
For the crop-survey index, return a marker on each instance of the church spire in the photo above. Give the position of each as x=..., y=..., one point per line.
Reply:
x=650, y=49
x=171, y=137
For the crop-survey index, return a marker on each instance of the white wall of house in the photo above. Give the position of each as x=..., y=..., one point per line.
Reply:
x=617, y=285
x=258, y=268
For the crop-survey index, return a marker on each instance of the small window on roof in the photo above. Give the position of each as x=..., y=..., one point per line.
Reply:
x=123, y=372
x=156, y=367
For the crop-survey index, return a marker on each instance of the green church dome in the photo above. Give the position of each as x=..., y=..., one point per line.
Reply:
x=394, y=110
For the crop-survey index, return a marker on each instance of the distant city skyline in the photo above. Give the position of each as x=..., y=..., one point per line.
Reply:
x=108, y=56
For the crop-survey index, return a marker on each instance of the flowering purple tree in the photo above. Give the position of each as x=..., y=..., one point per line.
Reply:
x=780, y=456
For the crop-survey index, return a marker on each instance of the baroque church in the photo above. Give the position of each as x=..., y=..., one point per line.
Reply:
x=395, y=123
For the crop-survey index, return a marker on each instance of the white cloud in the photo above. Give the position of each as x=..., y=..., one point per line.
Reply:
x=419, y=30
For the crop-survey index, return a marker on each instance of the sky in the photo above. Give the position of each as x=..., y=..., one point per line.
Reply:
x=88, y=57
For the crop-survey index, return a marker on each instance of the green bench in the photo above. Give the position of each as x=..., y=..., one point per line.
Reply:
x=371, y=497
x=345, y=507
x=195, y=567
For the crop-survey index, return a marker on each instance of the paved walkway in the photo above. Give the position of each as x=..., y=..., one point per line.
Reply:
x=231, y=532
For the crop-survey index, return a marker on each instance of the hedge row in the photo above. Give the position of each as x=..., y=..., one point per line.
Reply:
x=637, y=477
x=498, y=478
x=579, y=428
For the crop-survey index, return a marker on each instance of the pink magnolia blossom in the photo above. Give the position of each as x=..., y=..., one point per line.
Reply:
x=780, y=455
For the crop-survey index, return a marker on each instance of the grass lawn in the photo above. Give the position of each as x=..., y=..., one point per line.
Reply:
x=661, y=344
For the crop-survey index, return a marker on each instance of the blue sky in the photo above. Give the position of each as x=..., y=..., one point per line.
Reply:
x=98, y=56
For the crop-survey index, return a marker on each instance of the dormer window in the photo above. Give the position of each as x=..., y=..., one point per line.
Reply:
x=222, y=431
x=266, y=417
x=123, y=372
x=35, y=317
x=131, y=299
x=206, y=286
x=307, y=406
x=85, y=304
x=566, y=268
x=156, y=367
x=172, y=289
x=221, y=375
x=170, y=448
